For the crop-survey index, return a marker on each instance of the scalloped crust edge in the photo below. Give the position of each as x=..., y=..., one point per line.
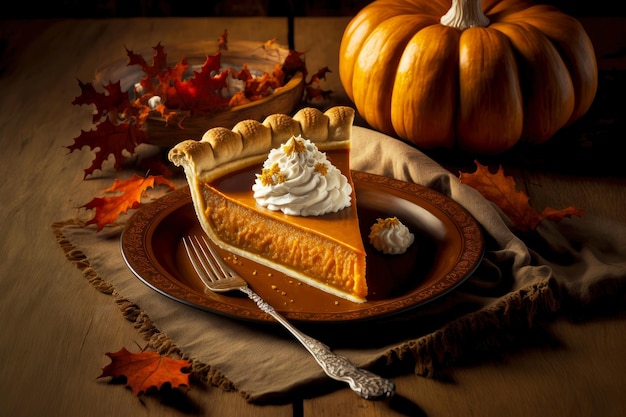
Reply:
x=222, y=150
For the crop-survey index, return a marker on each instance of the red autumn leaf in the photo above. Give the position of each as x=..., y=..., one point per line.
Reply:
x=159, y=76
x=244, y=74
x=502, y=191
x=319, y=75
x=164, y=87
x=111, y=102
x=158, y=73
x=159, y=61
x=316, y=93
x=147, y=370
x=109, y=139
x=312, y=88
x=108, y=208
x=294, y=63
x=222, y=42
x=198, y=94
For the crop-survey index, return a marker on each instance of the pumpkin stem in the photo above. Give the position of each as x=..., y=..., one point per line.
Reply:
x=465, y=14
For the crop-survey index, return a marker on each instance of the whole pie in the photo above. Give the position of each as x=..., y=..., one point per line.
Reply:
x=325, y=251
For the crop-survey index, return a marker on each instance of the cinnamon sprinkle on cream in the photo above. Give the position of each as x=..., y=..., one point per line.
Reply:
x=294, y=145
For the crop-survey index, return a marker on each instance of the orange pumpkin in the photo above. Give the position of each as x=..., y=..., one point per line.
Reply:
x=477, y=76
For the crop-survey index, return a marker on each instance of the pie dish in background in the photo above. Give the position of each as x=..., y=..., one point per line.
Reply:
x=258, y=59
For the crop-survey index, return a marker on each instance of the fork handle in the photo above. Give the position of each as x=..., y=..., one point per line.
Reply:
x=365, y=383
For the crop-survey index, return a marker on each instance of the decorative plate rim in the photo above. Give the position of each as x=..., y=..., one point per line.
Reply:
x=147, y=266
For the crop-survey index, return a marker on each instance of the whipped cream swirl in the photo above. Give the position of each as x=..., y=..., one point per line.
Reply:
x=298, y=180
x=390, y=236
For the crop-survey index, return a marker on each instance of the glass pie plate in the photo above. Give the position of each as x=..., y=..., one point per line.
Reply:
x=448, y=247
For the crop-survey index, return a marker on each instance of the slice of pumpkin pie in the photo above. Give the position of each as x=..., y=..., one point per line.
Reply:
x=279, y=192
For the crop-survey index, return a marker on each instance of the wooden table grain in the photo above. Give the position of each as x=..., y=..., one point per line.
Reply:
x=56, y=328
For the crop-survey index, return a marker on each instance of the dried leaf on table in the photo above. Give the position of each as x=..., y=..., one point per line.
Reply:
x=111, y=100
x=109, y=139
x=108, y=208
x=502, y=191
x=146, y=370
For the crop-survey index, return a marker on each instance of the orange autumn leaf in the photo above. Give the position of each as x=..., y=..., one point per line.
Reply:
x=269, y=44
x=129, y=194
x=146, y=370
x=238, y=99
x=502, y=191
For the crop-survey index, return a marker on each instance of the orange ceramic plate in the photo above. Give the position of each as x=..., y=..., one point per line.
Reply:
x=448, y=247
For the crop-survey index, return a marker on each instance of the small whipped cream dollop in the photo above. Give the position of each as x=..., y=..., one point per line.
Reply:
x=390, y=236
x=299, y=180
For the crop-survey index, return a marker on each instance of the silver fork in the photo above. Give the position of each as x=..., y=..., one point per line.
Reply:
x=219, y=277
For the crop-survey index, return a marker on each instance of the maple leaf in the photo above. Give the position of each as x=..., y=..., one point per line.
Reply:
x=111, y=102
x=294, y=63
x=147, y=370
x=319, y=75
x=502, y=190
x=312, y=89
x=108, y=208
x=244, y=74
x=159, y=76
x=109, y=139
x=198, y=94
x=154, y=70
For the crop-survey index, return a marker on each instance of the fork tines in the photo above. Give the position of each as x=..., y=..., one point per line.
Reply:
x=210, y=267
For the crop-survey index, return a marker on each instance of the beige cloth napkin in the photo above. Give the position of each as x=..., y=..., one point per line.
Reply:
x=573, y=263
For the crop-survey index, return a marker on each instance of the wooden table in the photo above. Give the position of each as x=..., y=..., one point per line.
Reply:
x=56, y=328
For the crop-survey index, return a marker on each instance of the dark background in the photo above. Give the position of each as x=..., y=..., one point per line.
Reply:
x=179, y=8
